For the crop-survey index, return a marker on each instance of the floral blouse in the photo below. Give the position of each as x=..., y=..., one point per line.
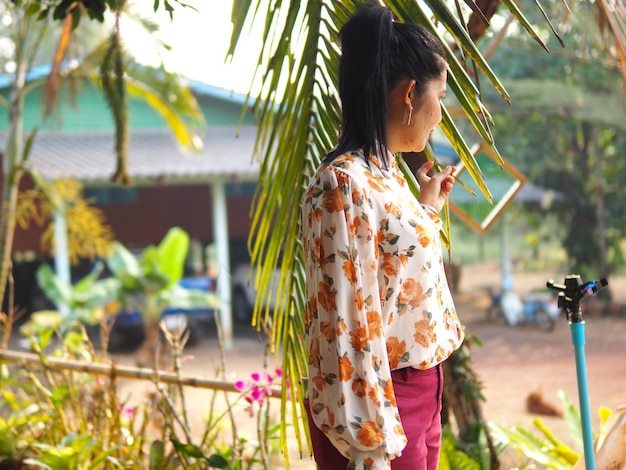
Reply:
x=377, y=300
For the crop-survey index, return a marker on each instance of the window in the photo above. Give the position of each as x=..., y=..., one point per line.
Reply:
x=103, y=196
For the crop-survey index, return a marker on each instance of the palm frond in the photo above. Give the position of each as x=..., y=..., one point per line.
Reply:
x=298, y=116
x=53, y=80
x=611, y=17
x=171, y=99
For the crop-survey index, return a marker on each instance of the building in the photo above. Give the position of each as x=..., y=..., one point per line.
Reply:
x=201, y=193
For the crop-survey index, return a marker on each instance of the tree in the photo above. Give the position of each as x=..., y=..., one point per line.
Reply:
x=108, y=65
x=566, y=133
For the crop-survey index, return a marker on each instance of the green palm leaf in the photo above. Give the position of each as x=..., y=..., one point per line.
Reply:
x=298, y=115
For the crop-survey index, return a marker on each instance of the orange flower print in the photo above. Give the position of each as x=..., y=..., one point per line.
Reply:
x=413, y=292
x=381, y=235
x=359, y=300
x=342, y=179
x=341, y=327
x=353, y=228
x=376, y=362
x=375, y=182
x=373, y=395
x=422, y=235
x=332, y=201
x=392, y=209
x=345, y=368
x=399, y=430
x=389, y=264
x=374, y=325
x=357, y=197
x=349, y=269
x=398, y=176
x=318, y=252
x=314, y=350
x=368, y=463
x=327, y=331
x=331, y=417
x=389, y=394
x=395, y=350
x=423, y=333
x=359, y=387
x=318, y=381
x=358, y=339
x=440, y=354
x=311, y=307
x=448, y=320
x=369, y=434
x=326, y=297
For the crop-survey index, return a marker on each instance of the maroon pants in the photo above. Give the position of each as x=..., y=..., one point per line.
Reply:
x=418, y=395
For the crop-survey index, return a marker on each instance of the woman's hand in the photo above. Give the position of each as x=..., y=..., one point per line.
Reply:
x=434, y=190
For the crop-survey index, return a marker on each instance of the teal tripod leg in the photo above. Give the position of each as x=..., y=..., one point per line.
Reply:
x=578, y=340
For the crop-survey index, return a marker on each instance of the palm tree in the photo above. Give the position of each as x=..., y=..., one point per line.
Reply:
x=299, y=112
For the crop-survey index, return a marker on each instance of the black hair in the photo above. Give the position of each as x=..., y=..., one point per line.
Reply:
x=377, y=53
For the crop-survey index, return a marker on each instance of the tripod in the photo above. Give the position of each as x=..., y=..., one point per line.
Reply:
x=570, y=295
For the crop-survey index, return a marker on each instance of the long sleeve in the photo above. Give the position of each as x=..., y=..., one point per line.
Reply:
x=350, y=389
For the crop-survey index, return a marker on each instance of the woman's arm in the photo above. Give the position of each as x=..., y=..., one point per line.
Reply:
x=350, y=389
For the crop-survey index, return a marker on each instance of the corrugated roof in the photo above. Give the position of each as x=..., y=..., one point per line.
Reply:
x=153, y=155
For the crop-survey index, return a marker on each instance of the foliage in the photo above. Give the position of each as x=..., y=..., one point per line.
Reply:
x=565, y=133
x=89, y=237
x=85, y=301
x=94, y=9
x=547, y=449
x=150, y=284
x=462, y=399
x=452, y=458
x=27, y=27
x=55, y=418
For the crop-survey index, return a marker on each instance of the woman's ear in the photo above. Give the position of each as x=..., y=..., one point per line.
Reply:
x=408, y=92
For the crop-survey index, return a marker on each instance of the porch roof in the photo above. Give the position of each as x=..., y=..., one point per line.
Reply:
x=154, y=156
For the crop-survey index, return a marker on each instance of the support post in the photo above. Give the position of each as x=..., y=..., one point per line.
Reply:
x=61, y=253
x=220, y=235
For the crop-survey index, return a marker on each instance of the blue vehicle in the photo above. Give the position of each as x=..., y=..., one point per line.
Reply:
x=128, y=327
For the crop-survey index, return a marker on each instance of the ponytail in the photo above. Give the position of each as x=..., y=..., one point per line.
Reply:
x=363, y=79
x=376, y=54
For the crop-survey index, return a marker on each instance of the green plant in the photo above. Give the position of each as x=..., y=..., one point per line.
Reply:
x=55, y=417
x=453, y=458
x=547, y=449
x=84, y=300
x=150, y=284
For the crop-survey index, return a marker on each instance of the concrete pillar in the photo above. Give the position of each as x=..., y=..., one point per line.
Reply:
x=221, y=239
x=61, y=253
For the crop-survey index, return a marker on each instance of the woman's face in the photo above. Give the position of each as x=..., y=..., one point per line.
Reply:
x=425, y=117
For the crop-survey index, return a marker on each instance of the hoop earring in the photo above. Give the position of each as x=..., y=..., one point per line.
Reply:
x=407, y=116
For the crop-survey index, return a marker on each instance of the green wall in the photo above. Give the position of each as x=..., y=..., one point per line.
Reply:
x=87, y=110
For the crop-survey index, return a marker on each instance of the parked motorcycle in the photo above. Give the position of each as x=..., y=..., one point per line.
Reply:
x=538, y=308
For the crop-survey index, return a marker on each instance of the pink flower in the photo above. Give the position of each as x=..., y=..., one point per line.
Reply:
x=259, y=388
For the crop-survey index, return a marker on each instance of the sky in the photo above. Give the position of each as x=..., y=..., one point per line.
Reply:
x=199, y=42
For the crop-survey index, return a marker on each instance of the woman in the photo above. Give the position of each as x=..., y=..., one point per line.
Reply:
x=380, y=319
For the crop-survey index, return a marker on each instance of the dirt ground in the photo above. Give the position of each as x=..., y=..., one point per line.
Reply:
x=513, y=362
